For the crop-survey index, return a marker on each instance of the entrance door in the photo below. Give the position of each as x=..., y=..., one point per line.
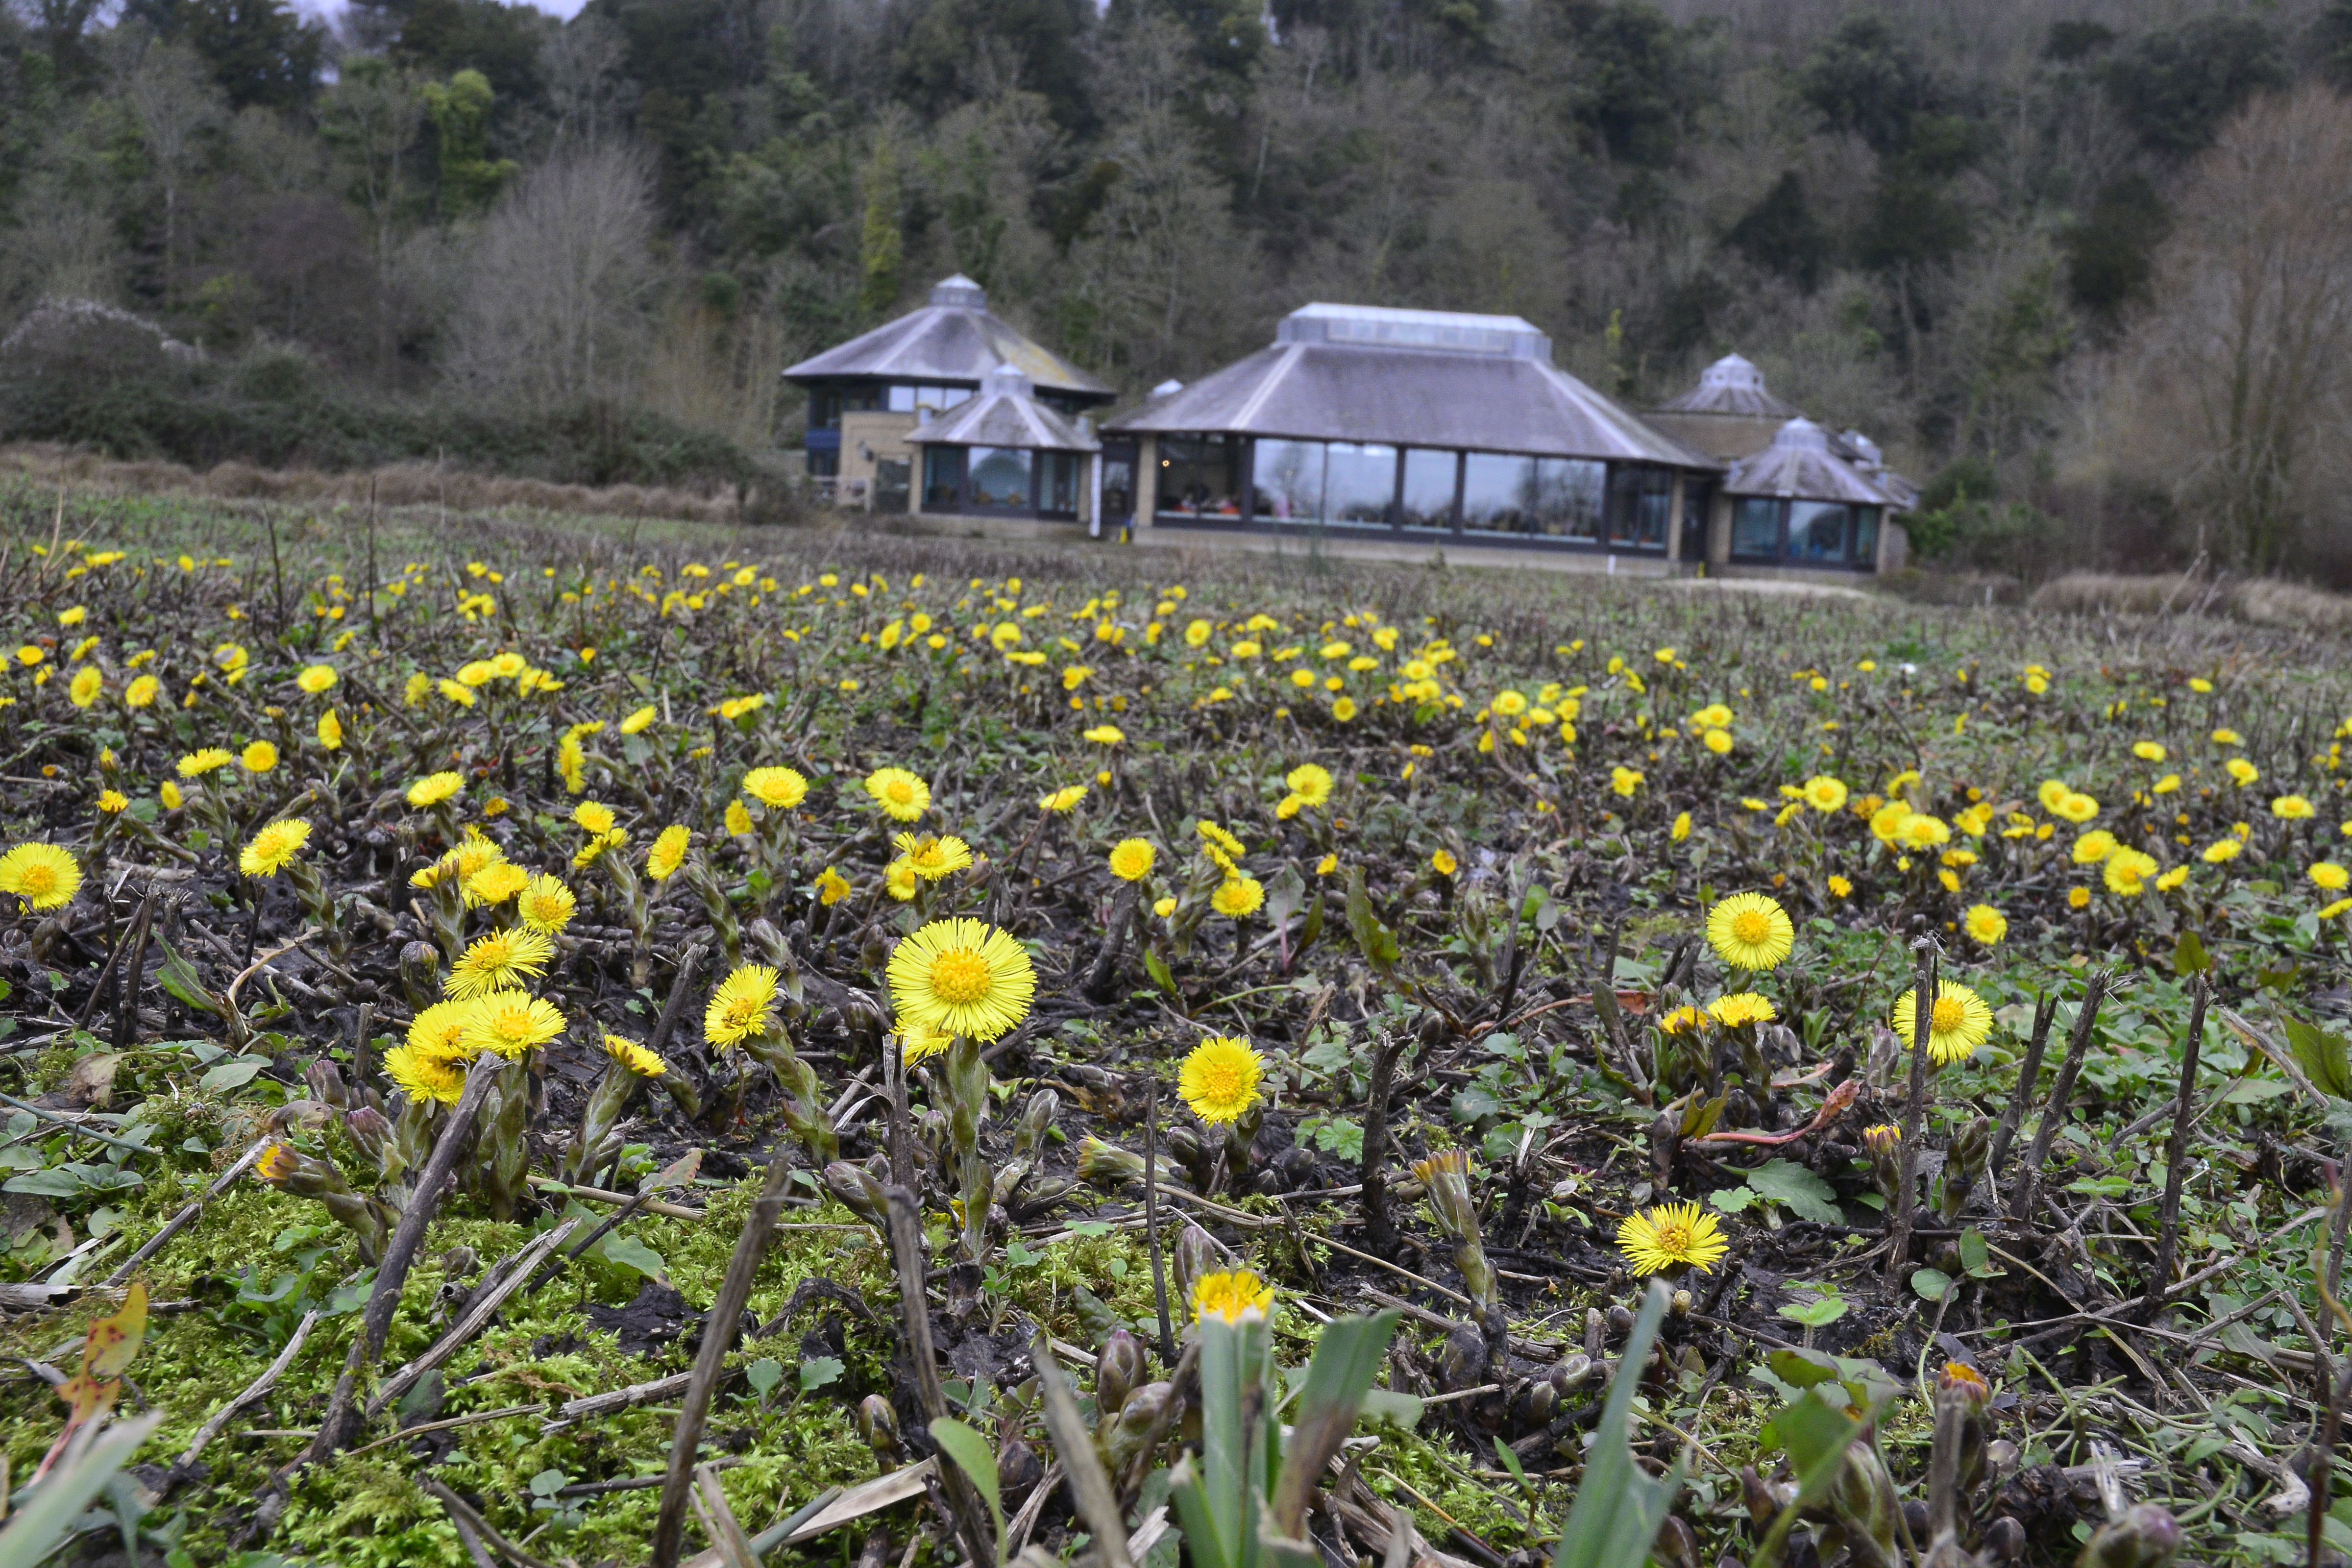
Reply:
x=892, y=477
x=1117, y=486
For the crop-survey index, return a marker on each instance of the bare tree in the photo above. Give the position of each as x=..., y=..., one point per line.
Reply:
x=2239, y=368
x=581, y=62
x=58, y=248
x=562, y=272
x=176, y=105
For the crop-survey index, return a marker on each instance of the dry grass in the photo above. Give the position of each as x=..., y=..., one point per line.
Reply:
x=398, y=484
x=2265, y=601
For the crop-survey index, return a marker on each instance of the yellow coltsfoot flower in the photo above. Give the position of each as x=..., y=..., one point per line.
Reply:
x=961, y=977
x=500, y=960
x=1672, y=1235
x=1233, y=1296
x=738, y=1009
x=44, y=875
x=1219, y=1079
x=1956, y=1024
x=1750, y=930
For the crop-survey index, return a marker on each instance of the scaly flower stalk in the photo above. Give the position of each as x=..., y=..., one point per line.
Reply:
x=1446, y=1174
x=290, y=1170
x=706, y=884
x=962, y=1084
x=636, y=912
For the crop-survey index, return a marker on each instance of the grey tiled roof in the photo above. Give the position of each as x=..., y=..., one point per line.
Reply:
x=953, y=338
x=1005, y=413
x=1800, y=463
x=1731, y=386
x=1353, y=391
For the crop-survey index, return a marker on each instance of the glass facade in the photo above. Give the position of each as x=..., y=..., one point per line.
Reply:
x=1287, y=480
x=1755, y=529
x=942, y=477
x=1359, y=485
x=1641, y=501
x=1767, y=531
x=1000, y=477
x=1280, y=482
x=1004, y=479
x=1698, y=505
x=1544, y=497
x=906, y=399
x=1199, y=476
x=1057, y=483
x=1425, y=497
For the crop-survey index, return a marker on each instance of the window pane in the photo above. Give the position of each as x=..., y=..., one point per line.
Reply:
x=1698, y=499
x=1429, y=488
x=1361, y=485
x=1566, y=497
x=942, y=477
x=1816, y=531
x=1199, y=476
x=1060, y=492
x=1287, y=480
x=1638, y=502
x=1000, y=477
x=1756, y=528
x=1117, y=486
x=1496, y=492
x=1865, y=538
x=902, y=400
x=824, y=409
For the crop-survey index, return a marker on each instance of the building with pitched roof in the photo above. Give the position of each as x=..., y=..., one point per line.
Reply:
x=1006, y=458
x=1795, y=499
x=1394, y=432
x=867, y=395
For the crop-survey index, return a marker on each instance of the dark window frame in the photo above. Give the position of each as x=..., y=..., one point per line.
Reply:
x=954, y=501
x=1241, y=462
x=1855, y=560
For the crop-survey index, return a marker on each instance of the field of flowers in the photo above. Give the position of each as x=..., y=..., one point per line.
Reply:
x=527, y=1042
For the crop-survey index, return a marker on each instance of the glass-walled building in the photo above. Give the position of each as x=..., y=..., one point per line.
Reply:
x=867, y=393
x=1006, y=453
x=1797, y=500
x=1414, y=427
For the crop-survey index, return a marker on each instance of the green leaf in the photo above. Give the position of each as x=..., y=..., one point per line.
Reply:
x=1348, y=1355
x=1815, y=1437
x=1620, y=1506
x=1373, y=940
x=1801, y=1369
x=1798, y=1190
x=1386, y=1404
x=2322, y=1058
x=180, y=978
x=1931, y=1284
x=1475, y=1102
x=820, y=1370
x=1511, y=1463
x=234, y=1073
x=49, y=1183
x=1699, y=1119
x=2188, y=955
x=1285, y=890
x=1734, y=1200
x=1157, y=968
x=1817, y=1313
x=972, y=1455
x=1975, y=1260
x=1338, y=1135
x=632, y=1254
